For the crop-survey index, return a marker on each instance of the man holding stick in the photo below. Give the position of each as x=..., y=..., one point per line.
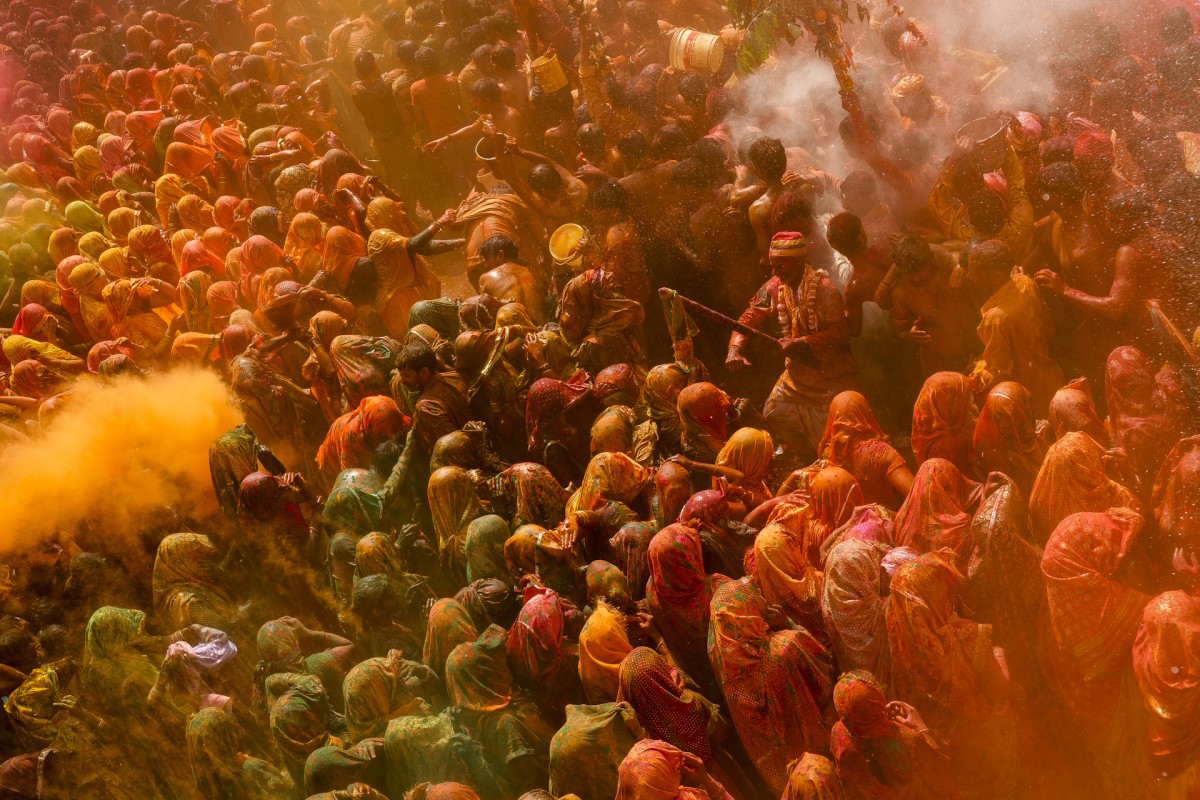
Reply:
x=815, y=339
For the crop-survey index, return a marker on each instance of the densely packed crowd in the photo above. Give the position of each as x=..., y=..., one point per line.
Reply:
x=917, y=519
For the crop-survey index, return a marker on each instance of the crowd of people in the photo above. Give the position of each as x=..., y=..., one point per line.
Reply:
x=892, y=491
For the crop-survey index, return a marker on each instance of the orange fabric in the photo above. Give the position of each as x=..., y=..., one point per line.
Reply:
x=750, y=452
x=603, y=645
x=1177, y=494
x=353, y=437
x=938, y=511
x=1005, y=437
x=652, y=770
x=1072, y=479
x=944, y=420
x=609, y=477
x=850, y=421
x=1166, y=663
x=934, y=651
x=784, y=571
x=702, y=408
x=343, y=247
x=304, y=243
x=834, y=494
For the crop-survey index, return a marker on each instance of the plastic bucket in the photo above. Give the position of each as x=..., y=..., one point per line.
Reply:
x=485, y=150
x=986, y=142
x=696, y=51
x=567, y=244
x=548, y=73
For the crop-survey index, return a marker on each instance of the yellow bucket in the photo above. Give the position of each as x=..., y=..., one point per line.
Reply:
x=567, y=245
x=548, y=73
x=696, y=51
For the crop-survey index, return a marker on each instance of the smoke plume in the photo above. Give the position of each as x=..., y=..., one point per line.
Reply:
x=115, y=451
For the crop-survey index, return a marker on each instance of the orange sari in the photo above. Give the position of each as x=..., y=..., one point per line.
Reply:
x=1005, y=437
x=1166, y=664
x=1090, y=626
x=750, y=452
x=1072, y=479
x=938, y=511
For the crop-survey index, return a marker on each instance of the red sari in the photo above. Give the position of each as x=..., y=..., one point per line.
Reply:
x=353, y=437
x=1176, y=496
x=944, y=420
x=938, y=511
x=1072, y=479
x=774, y=682
x=854, y=441
x=1090, y=626
x=1005, y=436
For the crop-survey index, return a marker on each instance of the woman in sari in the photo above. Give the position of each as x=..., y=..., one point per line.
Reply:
x=84, y=219
x=453, y=504
x=946, y=667
x=515, y=738
x=485, y=548
x=1176, y=496
x=168, y=190
x=187, y=584
x=609, y=478
x=191, y=163
x=299, y=715
x=1006, y=438
x=363, y=365
x=305, y=239
x=21, y=348
x=654, y=770
x=854, y=441
x=196, y=257
x=133, y=305
x=493, y=388
x=1166, y=664
x=403, y=277
x=222, y=302
x=680, y=597
x=195, y=213
x=1090, y=626
x=659, y=405
x=554, y=422
x=121, y=222
x=259, y=254
x=449, y=626
x=631, y=553
x=667, y=709
x=535, y=551
x=88, y=166
x=938, y=512
x=603, y=646
x=944, y=420
x=540, y=660
x=1073, y=410
x=380, y=689
x=884, y=749
x=353, y=437
x=775, y=682
x=1073, y=478
x=1146, y=410
x=853, y=603
x=784, y=568
x=1004, y=587
x=834, y=494
x=116, y=676
x=529, y=495
x=702, y=409
x=212, y=742
x=744, y=461
x=341, y=251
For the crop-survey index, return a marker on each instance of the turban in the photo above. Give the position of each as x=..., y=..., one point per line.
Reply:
x=787, y=244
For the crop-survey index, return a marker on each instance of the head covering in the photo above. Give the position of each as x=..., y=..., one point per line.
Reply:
x=788, y=245
x=1166, y=663
x=850, y=421
x=852, y=606
x=653, y=770
x=938, y=511
x=477, y=676
x=1005, y=437
x=1072, y=409
x=1072, y=479
x=1144, y=408
x=449, y=626
x=603, y=646
x=944, y=420
x=702, y=408
x=665, y=708
x=1090, y=144
x=749, y=451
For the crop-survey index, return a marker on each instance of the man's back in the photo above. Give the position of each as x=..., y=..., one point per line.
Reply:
x=435, y=101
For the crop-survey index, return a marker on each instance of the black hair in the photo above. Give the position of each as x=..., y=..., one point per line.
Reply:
x=427, y=59
x=364, y=63
x=987, y=212
x=1062, y=179
x=385, y=457
x=991, y=255
x=498, y=245
x=416, y=357
x=485, y=90
x=544, y=178
x=691, y=173
x=768, y=158
x=911, y=253
x=610, y=196
x=504, y=58
x=845, y=231
x=693, y=88
x=860, y=181
x=633, y=146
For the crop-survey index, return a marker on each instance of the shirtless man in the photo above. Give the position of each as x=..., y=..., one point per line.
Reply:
x=929, y=308
x=645, y=180
x=768, y=162
x=620, y=252
x=1137, y=274
x=869, y=260
x=548, y=189
x=435, y=105
x=1094, y=157
x=509, y=280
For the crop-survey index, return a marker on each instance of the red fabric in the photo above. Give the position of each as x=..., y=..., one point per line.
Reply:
x=850, y=421
x=938, y=511
x=678, y=590
x=535, y=655
x=548, y=400
x=665, y=708
x=943, y=420
x=1166, y=662
x=1092, y=143
x=198, y=257
x=1177, y=494
x=1005, y=437
x=353, y=437
x=28, y=319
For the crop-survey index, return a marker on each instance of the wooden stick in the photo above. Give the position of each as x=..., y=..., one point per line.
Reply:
x=704, y=312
